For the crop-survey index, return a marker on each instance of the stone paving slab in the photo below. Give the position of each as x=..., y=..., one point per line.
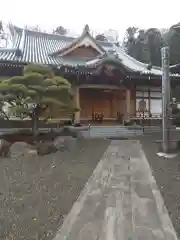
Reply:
x=121, y=201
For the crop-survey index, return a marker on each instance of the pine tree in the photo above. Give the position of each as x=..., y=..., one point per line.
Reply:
x=38, y=89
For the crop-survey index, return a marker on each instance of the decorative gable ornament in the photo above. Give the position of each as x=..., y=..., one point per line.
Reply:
x=86, y=28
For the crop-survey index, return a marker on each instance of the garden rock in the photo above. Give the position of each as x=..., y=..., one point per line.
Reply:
x=59, y=143
x=65, y=143
x=4, y=148
x=44, y=148
x=69, y=132
x=32, y=153
x=19, y=149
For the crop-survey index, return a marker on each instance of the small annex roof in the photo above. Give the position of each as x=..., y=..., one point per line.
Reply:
x=130, y=63
x=38, y=47
x=175, y=66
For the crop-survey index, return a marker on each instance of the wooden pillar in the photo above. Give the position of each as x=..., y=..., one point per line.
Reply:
x=128, y=105
x=77, y=102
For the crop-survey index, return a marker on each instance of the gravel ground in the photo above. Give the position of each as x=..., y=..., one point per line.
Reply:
x=36, y=194
x=167, y=175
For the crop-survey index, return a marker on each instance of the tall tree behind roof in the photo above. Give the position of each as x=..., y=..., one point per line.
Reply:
x=109, y=35
x=141, y=51
x=130, y=40
x=60, y=30
x=165, y=34
x=100, y=37
x=173, y=40
x=143, y=45
x=154, y=43
x=35, y=28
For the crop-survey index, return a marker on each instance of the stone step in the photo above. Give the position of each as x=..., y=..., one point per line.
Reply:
x=114, y=131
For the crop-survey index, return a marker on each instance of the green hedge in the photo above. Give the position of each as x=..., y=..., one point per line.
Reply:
x=24, y=124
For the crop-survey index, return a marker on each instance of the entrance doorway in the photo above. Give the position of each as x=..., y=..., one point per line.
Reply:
x=106, y=101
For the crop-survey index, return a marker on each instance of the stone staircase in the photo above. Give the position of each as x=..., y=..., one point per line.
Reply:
x=121, y=131
x=111, y=132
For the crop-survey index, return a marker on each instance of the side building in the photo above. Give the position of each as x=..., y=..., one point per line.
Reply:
x=105, y=79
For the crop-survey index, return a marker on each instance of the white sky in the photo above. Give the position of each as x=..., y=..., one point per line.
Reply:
x=98, y=14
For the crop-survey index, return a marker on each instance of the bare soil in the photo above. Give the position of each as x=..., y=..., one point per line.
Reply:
x=36, y=194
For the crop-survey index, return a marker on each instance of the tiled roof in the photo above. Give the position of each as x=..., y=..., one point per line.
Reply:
x=37, y=47
x=130, y=63
x=135, y=65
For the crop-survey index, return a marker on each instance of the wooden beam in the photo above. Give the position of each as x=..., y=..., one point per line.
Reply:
x=100, y=86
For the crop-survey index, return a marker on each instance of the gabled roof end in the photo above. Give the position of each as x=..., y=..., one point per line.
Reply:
x=84, y=39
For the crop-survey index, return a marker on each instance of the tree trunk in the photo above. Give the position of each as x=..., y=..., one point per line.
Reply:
x=35, y=120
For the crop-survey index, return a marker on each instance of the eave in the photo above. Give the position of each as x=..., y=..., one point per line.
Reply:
x=119, y=64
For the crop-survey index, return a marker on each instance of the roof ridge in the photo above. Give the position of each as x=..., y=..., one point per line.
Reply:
x=44, y=33
x=22, y=41
x=8, y=49
x=58, y=36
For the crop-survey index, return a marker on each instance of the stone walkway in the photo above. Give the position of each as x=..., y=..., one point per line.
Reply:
x=121, y=201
